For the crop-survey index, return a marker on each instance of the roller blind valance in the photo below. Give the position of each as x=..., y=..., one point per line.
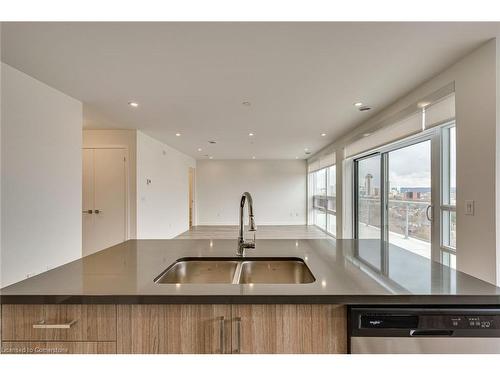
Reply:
x=323, y=161
x=327, y=160
x=439, y=113
x=424, y=116
x=404, y=128
x=313, y=166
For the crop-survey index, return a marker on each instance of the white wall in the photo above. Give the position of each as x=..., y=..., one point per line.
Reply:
x=475, y=78
x=163, y=205
x=278, y=188
x=0, y=154
x=126, y=139
x=41, y=177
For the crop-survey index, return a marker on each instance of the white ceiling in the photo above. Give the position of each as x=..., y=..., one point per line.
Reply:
x=301, y=78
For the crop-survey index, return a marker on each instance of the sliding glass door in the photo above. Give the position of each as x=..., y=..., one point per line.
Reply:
x=409, y=198
x=395, y=192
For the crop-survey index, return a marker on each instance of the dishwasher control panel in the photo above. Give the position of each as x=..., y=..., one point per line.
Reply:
x=455, y=321
x=424, y=321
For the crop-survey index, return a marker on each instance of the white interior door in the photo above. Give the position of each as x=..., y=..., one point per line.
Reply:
x=104, y=192
x=88, y=202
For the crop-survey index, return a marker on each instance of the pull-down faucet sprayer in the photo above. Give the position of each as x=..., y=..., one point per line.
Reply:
x=242, y=244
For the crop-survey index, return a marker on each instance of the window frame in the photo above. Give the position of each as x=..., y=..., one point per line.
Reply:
x=327, y=212
x=446, y=209
x=433, y=135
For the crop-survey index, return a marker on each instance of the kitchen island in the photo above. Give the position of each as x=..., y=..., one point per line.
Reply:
x=109, y=302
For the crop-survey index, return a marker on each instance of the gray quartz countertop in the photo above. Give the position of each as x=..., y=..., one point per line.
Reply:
x=346, y=271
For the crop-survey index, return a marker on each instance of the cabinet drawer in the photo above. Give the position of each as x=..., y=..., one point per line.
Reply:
x=58, y=323
x=58, y=347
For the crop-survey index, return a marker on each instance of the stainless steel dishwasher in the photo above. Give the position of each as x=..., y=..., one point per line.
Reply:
x=424, y=330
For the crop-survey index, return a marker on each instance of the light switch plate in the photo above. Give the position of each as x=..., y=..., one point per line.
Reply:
x=469, y=208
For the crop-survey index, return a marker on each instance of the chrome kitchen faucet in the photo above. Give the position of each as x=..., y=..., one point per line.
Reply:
x=242, y=244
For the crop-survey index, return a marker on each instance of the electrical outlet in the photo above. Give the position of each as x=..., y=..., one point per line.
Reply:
x=469, y=207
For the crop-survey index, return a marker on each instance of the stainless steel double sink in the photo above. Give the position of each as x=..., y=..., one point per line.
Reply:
x=237, y=271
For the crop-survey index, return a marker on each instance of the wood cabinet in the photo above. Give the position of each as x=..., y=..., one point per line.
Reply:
x=188, y=328
x=170, y=329
x=195, y=329
x=40, y=329
x=286, y=329
x=215, y=329
x=137, y=329
x=70, y=322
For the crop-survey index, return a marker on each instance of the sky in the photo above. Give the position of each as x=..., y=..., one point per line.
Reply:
x=408, y=167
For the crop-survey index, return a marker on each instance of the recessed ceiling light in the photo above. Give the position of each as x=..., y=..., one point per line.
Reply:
x=423, y=104
x=306, y=149
x=253, y=157
x=199, y=150
x=133, y=104
x=177, y=134
x=323, y=134
x=210, y=157
x=250, y=134
x=296, y=157
x=358, y=104
x=366, y=134
x=246, y=103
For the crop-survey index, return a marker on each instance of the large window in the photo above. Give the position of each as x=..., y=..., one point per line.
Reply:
x=323, y=199
x=403, y=195
x=319, y=198
x=331, y=201
x=394, y=196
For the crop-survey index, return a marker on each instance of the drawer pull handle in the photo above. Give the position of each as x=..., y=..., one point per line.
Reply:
x=238, y=335
x=222, y=335
x=42, y=325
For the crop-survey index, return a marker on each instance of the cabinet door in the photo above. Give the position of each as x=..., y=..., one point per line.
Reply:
x=285, y=329
x=195, y=329
x=137, y=329
x=58, y=323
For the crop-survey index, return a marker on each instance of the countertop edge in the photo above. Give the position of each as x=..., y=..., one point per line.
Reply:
x=255, y=299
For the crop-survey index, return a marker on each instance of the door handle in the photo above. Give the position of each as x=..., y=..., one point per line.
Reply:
x=431, y=332
x=238, y=335
x=87, y=212
x=42, y=325
x=97, y=212
x=429, y=207
x=222, y=336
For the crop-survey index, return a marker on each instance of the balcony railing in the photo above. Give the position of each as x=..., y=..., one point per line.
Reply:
x=406, y=217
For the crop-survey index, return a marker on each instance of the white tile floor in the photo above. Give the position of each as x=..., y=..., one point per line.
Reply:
x=263, y=232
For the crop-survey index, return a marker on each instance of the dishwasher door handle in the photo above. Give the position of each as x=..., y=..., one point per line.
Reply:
x=431, y=332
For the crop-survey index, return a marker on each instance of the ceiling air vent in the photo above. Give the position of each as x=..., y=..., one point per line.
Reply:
x=364, y=108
